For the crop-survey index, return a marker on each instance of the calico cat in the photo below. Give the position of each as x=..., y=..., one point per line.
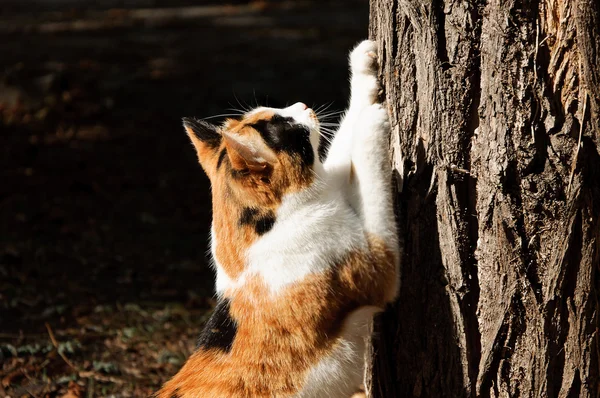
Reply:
x=305, y=251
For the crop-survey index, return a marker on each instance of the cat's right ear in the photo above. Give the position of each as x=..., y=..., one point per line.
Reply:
x=205, y=137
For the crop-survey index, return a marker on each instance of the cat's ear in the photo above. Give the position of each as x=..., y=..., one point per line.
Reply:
x=205, y=137
x=203, y=132
x=248, y=153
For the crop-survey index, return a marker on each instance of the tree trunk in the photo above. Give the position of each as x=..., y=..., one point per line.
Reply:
x=495, y=108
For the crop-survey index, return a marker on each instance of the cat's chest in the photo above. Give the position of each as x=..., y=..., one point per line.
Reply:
x=310, y=240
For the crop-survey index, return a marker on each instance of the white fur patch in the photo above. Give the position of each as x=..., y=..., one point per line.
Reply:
x=305, y=239
x=341, y=373
x=222, y=280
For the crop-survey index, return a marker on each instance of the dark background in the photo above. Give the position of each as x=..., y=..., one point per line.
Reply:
x=104, y=212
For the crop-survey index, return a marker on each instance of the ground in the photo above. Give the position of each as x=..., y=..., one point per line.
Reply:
x=104, y=212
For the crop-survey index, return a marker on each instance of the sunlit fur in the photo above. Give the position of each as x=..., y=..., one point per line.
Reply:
x=305, y=252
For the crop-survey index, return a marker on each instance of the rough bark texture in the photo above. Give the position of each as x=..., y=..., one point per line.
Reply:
x=495, y=109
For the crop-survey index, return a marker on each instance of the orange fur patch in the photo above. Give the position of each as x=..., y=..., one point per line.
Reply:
x=279, y=338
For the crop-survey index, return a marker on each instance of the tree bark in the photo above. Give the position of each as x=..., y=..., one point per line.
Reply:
x=495, y=108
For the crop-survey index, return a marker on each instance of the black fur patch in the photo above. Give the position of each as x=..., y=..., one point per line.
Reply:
x=262, y=222
x=283, y=134
x=248, y=215
x=204, y=131
x=222, y=156
x=220, y=330
x=238, y=174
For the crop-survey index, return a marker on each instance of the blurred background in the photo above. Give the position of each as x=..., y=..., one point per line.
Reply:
x=104, y=211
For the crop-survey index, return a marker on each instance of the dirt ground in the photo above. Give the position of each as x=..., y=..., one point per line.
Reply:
x=104, y=212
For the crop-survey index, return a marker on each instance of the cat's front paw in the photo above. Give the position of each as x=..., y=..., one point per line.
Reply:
x=364, y=84
x=363, y=59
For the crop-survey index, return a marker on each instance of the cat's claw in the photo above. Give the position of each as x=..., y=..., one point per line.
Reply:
x=363, y=59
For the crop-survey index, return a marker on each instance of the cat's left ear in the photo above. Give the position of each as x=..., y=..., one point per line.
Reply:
x=248, y=153
x=204, y=136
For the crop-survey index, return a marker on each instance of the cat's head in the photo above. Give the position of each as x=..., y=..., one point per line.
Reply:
x=262, y=156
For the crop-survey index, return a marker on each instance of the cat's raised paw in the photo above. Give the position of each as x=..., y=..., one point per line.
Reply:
x=363, y=59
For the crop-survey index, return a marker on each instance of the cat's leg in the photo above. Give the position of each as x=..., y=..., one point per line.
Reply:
x=364, y=87
x=370, y=190
x=362, y=143
x=372, y=173
x=372, y=195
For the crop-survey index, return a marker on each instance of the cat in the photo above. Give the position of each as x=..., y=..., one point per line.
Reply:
x=305, y=251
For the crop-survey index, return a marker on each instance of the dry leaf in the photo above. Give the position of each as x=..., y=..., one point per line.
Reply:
x=74, y=391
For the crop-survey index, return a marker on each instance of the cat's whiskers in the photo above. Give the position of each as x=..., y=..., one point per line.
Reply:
x=322, y=111
x=329, y=114
x=328, y=136
x=327, y=125
x=323, y=107
x=246, y=108
x=328, y=129
x=241, y=111
x=221, y=115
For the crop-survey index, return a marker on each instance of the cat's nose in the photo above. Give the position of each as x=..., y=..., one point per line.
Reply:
x=300, y=105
